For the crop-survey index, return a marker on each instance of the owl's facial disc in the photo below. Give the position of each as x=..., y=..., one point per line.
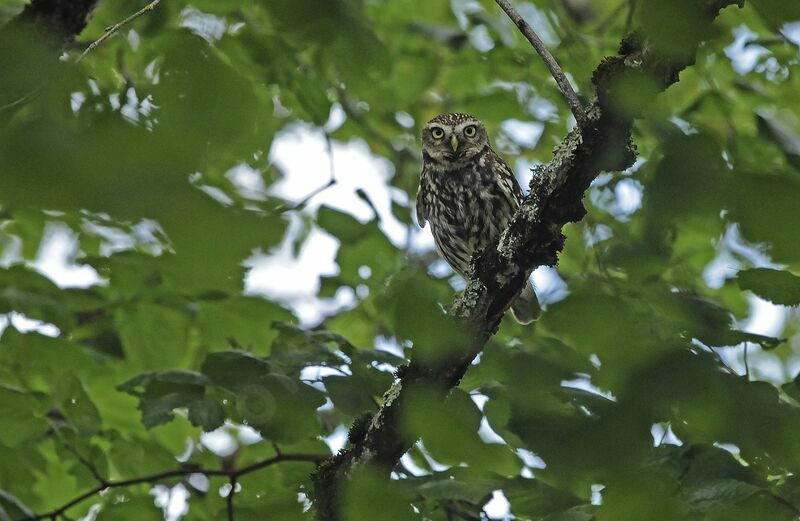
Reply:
x=454, y=139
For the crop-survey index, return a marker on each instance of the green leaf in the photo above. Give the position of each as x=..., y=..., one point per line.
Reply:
x=535, y=499
x=76, y=405
x=179, y=377
x=206, y=413
x=793, y=388
x=128, y=505
x=579, y=513
x=362, y=245
x=675, y=28
x=23, y=416
x=341, y=225
x=763, y=205
x=161, y=393
x=449, y=431
x=280, y=408
x=720, y=492
x=366, y=484
x=154, y=336
x=776, y=13
x=777, y=286
x=246, y=320
x=354, y=395
x=469, y=489
x=784, y=136
x=25, y=291
x=234, y=369
x=411, y=305
x=296, y=348
x=46, y=360
x=500, y=104
x=12, y=508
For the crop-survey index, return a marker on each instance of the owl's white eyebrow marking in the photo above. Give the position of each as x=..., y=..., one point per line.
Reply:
x=466, y=124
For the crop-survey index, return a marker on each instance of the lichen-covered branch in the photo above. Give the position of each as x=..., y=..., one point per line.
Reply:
x=532, y=239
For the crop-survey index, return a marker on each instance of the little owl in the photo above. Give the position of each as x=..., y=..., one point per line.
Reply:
x=468, y=194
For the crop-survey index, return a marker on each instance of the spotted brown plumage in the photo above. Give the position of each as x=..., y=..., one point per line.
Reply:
x=468, y=194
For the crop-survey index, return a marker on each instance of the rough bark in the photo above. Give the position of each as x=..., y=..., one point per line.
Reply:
x=533, y=239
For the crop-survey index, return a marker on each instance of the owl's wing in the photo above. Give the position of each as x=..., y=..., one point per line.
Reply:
x=506, y=179
x=422, y=195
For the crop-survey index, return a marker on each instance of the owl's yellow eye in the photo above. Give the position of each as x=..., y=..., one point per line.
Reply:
x=437, y=133
x=470, y=131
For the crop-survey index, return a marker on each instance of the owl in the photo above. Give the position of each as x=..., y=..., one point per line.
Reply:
x=468, y=194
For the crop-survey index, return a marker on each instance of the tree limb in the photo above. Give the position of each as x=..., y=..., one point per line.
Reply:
x=532, y=239
x=555, y=70
x=232, y=475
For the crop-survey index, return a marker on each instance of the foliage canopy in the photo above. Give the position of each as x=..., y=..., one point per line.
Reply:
x=627, y=400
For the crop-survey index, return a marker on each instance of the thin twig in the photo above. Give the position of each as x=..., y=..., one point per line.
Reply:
x=230, y=474
x=329, y=149
x=769, y=40
x=308, y=197
x=555, y=70
x=116, y=27
x=332, y=181
x=746, y=363
x=24, y=99
x=89, y=466
x=229, y=500
x=664, y=434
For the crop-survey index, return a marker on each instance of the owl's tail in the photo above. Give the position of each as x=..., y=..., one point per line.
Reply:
x=525, y=307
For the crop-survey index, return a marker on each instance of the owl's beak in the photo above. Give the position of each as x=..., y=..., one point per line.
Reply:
x=454, y=143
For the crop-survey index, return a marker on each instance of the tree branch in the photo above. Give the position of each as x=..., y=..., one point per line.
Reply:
x=229, y=500
x=331, y=181
x=555, y=70
x=117, y=26
x=532, y=239
x=88, y=464
x=232, y=475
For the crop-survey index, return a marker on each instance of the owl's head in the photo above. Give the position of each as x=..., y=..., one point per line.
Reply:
x=454, y=138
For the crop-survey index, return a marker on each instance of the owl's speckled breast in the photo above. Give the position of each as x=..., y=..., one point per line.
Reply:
x=468, y=208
